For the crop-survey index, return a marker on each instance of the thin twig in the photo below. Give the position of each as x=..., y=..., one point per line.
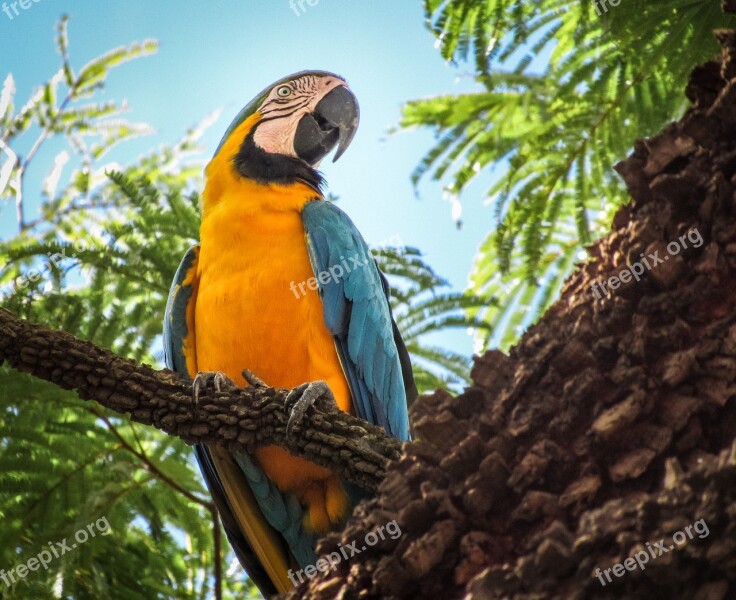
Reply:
x=149, y=466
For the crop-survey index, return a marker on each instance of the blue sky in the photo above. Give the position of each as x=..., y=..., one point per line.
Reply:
x=219, y=55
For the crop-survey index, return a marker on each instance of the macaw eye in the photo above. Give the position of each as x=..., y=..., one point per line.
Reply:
x=284, y=91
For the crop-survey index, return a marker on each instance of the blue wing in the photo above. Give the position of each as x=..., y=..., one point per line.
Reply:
x=176, y=324
x=357, y=313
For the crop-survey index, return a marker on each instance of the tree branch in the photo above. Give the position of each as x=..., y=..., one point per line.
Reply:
x=153, y=469
x=217, y=549
x=240, y=419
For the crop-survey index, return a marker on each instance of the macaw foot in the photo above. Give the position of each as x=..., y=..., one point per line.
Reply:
x=301, y=398
x=217, y=378
x=327, y=505
x=253, y=380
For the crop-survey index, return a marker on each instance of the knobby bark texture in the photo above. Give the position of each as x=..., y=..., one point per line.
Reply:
x=610, y=425
x=240, y=419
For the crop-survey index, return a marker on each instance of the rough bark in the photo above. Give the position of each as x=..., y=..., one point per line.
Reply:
x=238, y=419
x=610, y=425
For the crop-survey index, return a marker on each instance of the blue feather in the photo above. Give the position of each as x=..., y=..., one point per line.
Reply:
x=282, y=511
x=357, y=314
x=175, y=320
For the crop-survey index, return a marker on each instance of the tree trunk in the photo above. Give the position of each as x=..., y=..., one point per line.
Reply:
x=607, y=434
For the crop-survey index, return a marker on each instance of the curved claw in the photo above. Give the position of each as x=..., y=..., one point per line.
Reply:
x=253, y=380
x=203, y=379
x=301, y=398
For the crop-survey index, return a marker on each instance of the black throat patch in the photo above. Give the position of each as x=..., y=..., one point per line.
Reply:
x=258, y=165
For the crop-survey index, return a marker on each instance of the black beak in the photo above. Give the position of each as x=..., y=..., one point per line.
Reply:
x=333, y=122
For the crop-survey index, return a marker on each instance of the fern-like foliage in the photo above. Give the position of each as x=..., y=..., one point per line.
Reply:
x=67, y=464
x=97, y=261
x=421, y=308
x=563, y=92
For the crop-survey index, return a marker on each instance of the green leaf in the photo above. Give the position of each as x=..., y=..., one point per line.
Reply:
x=94, y=72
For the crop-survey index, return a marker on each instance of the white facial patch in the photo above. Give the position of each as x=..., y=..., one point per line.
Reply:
x=282, y=113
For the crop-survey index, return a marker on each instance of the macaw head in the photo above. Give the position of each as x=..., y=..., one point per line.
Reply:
x=283, y=134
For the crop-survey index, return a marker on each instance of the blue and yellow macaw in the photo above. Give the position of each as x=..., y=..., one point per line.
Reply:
x=255, y=295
